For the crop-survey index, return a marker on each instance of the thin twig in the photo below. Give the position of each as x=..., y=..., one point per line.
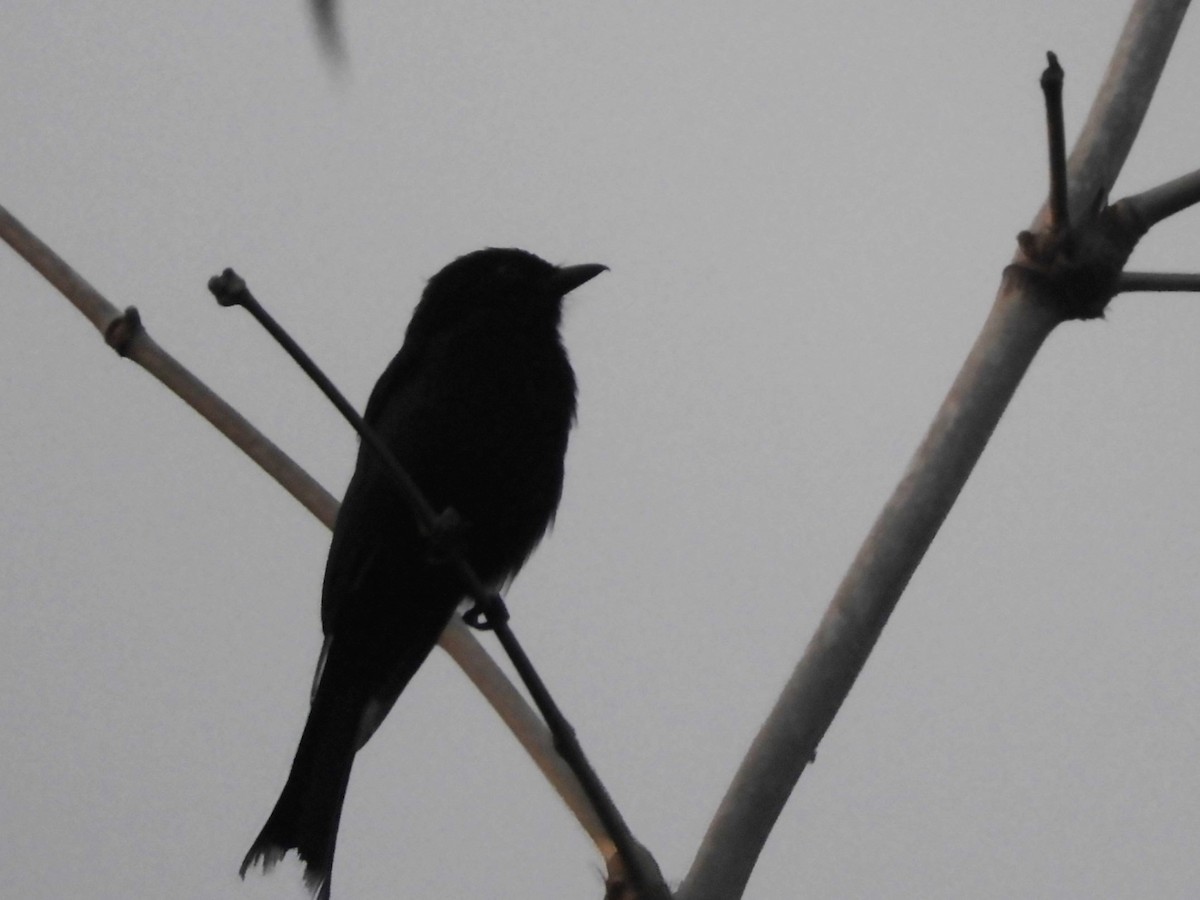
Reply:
x=528, y=728
x=231, y=290
x=1130, y=282
x=1052, y=90
x=1163, y=201
x=1121, y=102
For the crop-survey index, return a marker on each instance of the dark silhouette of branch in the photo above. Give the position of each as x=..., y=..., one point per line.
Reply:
x=1130, y=282
x=1056, y=141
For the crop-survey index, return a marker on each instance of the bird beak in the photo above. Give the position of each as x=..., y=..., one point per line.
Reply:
x=567, y=278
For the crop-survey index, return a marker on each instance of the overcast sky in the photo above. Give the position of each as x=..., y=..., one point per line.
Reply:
x=806, y=209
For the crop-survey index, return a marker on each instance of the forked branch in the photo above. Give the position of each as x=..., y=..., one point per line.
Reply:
x=1029, y=305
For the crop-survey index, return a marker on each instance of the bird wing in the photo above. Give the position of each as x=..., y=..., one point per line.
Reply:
x=371, y=496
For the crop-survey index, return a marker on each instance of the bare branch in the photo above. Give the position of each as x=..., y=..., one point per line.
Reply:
x=1026, y=310
x=787, y=742
x=47, y=263
x=124, y=332
x=1157, y=281
x=1120, y=106
x=527, y=728
x=1052, y=90
x=1160, y=202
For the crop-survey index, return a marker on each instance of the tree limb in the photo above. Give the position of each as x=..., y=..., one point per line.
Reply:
x=1163, y=201
x=1026, y=310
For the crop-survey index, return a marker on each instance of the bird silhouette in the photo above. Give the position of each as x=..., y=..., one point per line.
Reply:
x=477, y=407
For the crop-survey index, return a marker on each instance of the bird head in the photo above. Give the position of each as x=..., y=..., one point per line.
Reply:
x=497, y=281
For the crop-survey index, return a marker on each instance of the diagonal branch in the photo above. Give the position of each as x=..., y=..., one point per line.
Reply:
x=123, y=331
x=1025, y=311
x=1160, y=202
x=787, y=742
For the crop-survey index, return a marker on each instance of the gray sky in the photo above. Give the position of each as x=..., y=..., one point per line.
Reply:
x=806, y=209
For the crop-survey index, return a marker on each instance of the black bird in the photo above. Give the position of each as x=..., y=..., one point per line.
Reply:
x=476, y=406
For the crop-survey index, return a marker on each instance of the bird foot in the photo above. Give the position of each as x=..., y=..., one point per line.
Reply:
x=486, y=614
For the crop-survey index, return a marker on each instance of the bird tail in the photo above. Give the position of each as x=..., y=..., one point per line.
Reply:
x=307, y=813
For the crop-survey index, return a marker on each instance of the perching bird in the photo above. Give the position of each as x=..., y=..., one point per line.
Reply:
x=476, y=407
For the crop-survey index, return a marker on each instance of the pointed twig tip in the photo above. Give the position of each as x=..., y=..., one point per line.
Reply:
x=1052, y=75
x=1052, y=91
x=122, y=330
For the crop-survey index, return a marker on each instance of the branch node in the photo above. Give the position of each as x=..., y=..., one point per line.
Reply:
x=1080, y=269
x=1076, y=267
x=122, y=330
